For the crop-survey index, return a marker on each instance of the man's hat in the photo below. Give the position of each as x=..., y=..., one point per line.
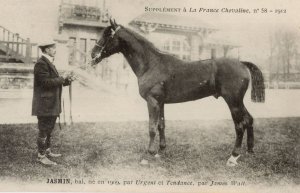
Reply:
x=46, y=44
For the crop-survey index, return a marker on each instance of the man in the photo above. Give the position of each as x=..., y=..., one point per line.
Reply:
x=46, y=103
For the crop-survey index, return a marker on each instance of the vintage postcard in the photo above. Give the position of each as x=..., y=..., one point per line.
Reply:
x=149, y=96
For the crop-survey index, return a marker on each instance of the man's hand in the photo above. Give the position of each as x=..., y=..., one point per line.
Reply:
x=70, y=76
x=66, y=75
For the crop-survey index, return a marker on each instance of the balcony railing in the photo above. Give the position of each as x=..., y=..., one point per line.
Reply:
x=16, y=47
x=82, y=15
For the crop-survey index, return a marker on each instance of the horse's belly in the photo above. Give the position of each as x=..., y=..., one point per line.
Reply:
x=188, y=93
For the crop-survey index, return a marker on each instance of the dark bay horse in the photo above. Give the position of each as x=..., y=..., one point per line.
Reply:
x=163, y=79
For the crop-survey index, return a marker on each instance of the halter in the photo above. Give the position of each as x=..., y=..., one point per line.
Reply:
x=113, y=32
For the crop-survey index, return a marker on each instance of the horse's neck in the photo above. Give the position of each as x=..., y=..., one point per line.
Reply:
x=136, y=55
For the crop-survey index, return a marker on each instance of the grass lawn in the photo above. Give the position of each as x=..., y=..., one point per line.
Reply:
x=196, y=150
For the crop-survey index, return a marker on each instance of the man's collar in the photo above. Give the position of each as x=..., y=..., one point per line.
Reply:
x=51, y=59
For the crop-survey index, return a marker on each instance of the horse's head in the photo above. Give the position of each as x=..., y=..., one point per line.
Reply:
x=108, y=44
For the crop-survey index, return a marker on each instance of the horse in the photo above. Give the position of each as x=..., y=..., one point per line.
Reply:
x=165, y=79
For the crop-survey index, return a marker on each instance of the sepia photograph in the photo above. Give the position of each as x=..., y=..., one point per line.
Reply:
x=149, y=96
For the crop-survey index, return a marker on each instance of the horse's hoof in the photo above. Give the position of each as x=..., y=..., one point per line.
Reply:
x=157, y=155
x=162, y=147
x=231, y=164
x=151, y=151
x=250, y=152
x=144, y=162
x=232, y=161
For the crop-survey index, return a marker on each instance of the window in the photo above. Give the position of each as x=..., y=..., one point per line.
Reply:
x=166, y=45
x=92, y=43
x=72, y=48
x=186, y=47
x=186, y=57
x=179, y=47
x=175, y=45
x=83, y=44
x=72, y=41
x=82, y=50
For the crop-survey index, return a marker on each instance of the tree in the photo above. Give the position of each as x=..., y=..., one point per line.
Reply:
x=283, y=52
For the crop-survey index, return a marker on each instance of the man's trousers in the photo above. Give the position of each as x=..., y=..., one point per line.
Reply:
x=45, y=125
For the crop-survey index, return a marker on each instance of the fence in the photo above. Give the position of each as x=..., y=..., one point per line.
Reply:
x=16, y=47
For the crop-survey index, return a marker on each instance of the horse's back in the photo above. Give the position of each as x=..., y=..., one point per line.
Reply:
x=231, y=66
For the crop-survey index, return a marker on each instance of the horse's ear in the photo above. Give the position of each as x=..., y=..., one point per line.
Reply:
x=112, y=23
x=115, y=23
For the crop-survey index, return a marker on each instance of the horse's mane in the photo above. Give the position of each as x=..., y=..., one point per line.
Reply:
x=144, y=41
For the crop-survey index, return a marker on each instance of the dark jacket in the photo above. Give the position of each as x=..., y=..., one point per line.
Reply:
x=47, y=89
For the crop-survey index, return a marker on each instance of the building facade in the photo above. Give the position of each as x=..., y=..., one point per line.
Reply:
x=80, y=24
x=187, y=38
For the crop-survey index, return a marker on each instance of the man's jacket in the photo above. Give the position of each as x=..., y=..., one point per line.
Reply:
x=47, y=89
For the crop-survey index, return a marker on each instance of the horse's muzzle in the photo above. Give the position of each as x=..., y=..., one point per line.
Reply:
x=95, y=61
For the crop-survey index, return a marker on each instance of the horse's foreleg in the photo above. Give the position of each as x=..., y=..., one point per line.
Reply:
x=154, y=116
x=161, y=129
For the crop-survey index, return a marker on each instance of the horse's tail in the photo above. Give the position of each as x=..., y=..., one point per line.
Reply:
x=257, y=79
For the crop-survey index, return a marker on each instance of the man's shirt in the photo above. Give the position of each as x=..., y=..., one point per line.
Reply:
x=51, y=59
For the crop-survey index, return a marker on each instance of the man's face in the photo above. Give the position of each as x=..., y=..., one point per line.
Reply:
x=51, y=51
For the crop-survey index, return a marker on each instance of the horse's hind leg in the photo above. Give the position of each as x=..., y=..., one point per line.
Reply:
x=239, y=116
x=249, y=126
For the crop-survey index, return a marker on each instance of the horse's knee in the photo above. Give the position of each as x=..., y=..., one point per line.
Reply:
x=248, y=120
x=235, y=111
x=240, y=129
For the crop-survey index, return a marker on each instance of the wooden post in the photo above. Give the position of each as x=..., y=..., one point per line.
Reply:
x=3, y=38
x=7, y=51
x=225, y=49
x=213, y=53
x=17, y=50
x=22, y=47
x=7, y=39
x=38, y=52
x=7, y=35
x=28, y=52
x=13, y=42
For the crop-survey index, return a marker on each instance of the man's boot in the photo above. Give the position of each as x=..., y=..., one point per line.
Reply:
x=41, y=143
